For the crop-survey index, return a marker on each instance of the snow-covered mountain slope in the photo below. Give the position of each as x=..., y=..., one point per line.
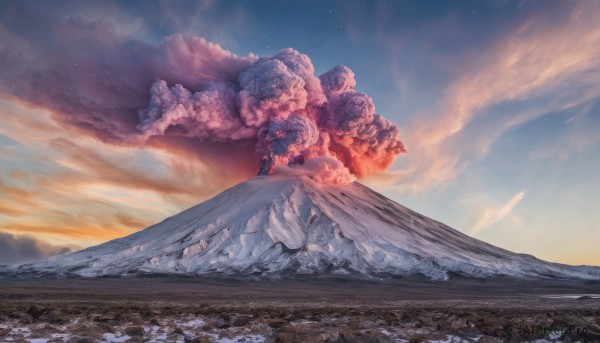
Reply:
x=278, y=226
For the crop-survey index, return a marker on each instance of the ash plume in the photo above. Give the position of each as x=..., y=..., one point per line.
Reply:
x=292, y=114
x=191, y=96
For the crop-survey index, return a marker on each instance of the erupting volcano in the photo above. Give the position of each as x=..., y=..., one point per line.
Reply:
x=308, y=137
x=284, y=226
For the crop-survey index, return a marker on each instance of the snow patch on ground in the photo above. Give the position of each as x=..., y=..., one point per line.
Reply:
x=115, y=337
x=191, y=323
x=449, y=339
x=572, y=296
x=245, y=339
x=158, y=334
x=23, y=331
x=300, y=322
x=555, y=335
x=61, y=336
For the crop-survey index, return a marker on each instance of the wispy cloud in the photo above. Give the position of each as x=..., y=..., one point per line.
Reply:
x=494, y=214
x=542, y=67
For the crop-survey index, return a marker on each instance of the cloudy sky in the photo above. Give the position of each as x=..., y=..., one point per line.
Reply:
x=498, y=103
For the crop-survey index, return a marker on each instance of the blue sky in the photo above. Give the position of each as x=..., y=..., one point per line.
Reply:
x=498, y=103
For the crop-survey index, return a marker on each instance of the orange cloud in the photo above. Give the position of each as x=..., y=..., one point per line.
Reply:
x=87, y=192
x=10, y=210
x=19, y=175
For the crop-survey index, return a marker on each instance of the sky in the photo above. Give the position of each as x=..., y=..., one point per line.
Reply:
x=497, y=102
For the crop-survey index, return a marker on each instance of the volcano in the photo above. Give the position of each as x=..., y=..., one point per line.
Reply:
x=278, y=226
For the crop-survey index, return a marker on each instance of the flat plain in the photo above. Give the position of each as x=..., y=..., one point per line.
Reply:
x=207, y=309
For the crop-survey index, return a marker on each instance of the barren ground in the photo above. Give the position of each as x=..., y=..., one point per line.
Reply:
x=159, y=309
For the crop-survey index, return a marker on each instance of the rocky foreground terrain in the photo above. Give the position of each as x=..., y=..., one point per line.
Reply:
x=189, y=310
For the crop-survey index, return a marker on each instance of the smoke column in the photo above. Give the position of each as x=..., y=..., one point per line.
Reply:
x=293, y=115
x=192, y=96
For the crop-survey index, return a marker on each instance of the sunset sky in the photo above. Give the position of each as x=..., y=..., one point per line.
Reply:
x=498, y=103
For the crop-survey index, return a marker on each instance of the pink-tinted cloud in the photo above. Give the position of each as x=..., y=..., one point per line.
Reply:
x=192, y=97
x=322, y=169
